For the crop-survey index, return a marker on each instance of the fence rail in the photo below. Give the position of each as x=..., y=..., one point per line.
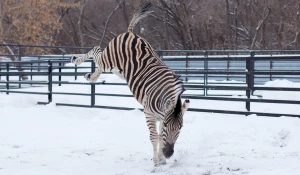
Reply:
x=191, y=65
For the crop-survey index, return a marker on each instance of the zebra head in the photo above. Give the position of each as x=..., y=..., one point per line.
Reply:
x=172, y=125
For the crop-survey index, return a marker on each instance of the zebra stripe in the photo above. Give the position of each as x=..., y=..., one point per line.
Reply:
x=151, y=82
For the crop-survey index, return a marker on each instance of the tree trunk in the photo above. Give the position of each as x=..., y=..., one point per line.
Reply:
x=208, y=34
x=167, y=39
x=261, y=22
x=228, y=25
x=297, y=37
x=81, y=12
x=188, y=27
x=236, y=23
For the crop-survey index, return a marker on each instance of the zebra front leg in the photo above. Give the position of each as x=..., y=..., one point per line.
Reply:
x=151, y=123
x=161, y=157
x=93, y=77
x=78, y=60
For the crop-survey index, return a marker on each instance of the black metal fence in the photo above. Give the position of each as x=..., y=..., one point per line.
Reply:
x=250, y=72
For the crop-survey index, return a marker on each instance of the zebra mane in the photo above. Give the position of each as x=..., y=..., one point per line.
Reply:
x=141, y=13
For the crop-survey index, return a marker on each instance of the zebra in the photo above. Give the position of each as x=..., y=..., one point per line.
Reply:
x=154, y=85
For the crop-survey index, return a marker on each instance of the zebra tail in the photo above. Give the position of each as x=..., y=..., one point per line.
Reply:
x=141, y=13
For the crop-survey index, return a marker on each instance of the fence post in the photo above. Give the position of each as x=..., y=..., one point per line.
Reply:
x=249, y=78
x=205, y=74
x=19, y=64
x=19, y=52
x=49, y=81
x=271, y=67
x=7, y=78
x=159, y=53
x=59, y=71
x=186, y=67
x=20, y=81
x=228, y=68
x=76, y=71
x=93, y=88
x=31, y=69
x=252, y=72
x=39, y=64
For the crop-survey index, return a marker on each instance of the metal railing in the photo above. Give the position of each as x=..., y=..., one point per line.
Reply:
x=249, y=73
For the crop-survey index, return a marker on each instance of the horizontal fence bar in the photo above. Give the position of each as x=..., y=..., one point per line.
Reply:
x=54, y=47
x=69, y=73
x=240, y=99
x=277, y=73
x=42, y=103
x=68, y=61
x=113, y=95
x=218, y=87
x=89, y=83
x=97, y=106
x=239, y=73
x=242, y=112
x=275, y=89
x=114, y=84
x=24, y=82
x=233, y=59
x=226, y=51
x=23, y=73
x=24, y=92
x=64, y=67
x=72, y=73
x=68, y=93
x=24, y=62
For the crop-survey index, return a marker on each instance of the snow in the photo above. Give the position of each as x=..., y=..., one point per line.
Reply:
x=232, y=56
x=52, y=140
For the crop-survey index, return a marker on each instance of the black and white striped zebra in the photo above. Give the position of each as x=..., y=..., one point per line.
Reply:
x=152, y=83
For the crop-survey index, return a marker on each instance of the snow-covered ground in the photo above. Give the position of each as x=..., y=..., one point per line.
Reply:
x=51, y=140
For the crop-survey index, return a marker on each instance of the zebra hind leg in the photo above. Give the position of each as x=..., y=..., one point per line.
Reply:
x=151, y=123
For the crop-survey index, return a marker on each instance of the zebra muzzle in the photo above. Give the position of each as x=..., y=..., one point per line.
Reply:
x=168, y=150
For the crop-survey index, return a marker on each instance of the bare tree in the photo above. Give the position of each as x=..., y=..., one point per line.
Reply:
x=81, y=10
x=108, y=19
x=190, y=24
x=264, y=17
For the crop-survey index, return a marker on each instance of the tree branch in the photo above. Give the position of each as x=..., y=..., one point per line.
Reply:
x=261, y=22
x=107, y=20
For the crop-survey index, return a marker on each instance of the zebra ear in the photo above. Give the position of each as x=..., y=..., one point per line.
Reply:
x=185, y=105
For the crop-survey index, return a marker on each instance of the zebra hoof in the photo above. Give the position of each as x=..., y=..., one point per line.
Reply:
x=162, y=162
x=73, y=58
x=88, y=76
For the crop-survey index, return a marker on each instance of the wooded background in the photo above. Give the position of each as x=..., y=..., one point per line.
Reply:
x=174, y=24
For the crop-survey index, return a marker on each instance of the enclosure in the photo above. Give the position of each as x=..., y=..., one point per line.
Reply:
x=243, y=118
